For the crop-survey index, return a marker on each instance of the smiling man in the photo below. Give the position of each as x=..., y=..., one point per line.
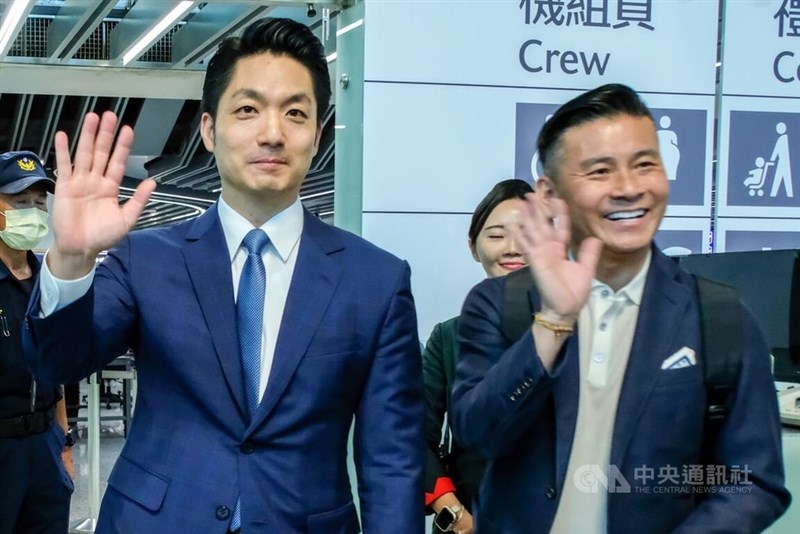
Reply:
x=593, y=421
x=260, y=333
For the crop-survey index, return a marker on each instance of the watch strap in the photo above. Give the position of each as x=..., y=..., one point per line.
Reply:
x=456, y=511
x=69, y=440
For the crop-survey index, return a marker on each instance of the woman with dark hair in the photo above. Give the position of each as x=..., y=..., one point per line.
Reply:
x=449, y=489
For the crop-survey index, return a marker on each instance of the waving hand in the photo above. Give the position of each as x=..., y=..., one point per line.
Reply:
x=86, y=216
x=544, y=236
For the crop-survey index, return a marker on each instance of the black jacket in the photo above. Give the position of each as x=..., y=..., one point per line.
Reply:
x=15, y=378
x=438, y=369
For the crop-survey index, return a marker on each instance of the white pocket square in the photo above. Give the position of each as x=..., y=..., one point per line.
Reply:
x=683, y=358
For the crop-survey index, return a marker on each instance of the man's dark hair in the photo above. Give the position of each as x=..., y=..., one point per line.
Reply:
x=282, y=37
x=603, y=102
x=502, y=191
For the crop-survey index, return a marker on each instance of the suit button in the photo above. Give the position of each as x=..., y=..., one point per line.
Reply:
x=550, y=493
x=246, y=448
x=223, y=512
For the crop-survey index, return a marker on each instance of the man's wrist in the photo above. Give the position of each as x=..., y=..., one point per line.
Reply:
x=68, y=267
x=558, y=328
x=551, y=316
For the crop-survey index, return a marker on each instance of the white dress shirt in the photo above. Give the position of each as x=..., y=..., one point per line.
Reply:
x=284, y=231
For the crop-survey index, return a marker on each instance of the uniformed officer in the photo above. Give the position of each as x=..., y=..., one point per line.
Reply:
x=35, y=457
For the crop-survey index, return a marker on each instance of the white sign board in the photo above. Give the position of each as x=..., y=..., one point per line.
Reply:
x=456, y=92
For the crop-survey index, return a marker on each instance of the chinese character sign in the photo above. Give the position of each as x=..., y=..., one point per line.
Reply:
x=598, y=13
x=788, y=16
x=549, y=44
x=761, y=49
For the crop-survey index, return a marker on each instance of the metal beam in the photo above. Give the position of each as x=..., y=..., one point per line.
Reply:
x=139, y=20
x=5, y=9
x=51, y=124
x=21, y=121
x=200, y=36
x=154, y=125
x=297, y=3
x=75, y=22
x=21, y=78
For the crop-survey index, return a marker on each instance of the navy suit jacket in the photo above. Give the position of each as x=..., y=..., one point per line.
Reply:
x=347, y=347
x=523, y=419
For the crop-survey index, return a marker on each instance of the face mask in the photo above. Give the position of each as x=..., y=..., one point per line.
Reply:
x=24, y=228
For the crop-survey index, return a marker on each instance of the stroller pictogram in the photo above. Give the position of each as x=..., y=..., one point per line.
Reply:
x=758, y=177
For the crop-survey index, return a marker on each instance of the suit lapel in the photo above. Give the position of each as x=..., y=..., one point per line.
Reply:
x=314, y=282
x=662, y=302
x=209, y=268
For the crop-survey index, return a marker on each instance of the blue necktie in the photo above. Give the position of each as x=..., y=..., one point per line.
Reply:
x=250, y=322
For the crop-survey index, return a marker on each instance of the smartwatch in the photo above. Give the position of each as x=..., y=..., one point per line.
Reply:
x=447, y=517
x=70, y=438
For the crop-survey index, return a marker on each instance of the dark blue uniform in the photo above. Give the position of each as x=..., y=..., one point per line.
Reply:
x=35, y=488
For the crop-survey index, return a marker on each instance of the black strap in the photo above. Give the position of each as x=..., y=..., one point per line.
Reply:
x=445, y=446
x=516, y=312
x=721, y=321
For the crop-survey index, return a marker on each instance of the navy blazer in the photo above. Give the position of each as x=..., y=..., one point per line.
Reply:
x=523, y=419
x=347, y=347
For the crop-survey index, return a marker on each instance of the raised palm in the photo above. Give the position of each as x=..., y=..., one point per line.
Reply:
x=544, y=235
x=86, y=216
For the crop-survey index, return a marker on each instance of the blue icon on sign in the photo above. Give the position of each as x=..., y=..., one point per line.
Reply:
x=738, y=241
x=778, y=168
x=668, y=145
x=682, y=242
x=530, y=119
x=682, y=141
x=764, y=158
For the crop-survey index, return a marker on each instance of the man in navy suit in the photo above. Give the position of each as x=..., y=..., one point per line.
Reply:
x=593, y=421
x=338, y=336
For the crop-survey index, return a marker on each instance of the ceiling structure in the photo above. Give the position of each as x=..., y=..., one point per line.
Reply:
x=69, y=57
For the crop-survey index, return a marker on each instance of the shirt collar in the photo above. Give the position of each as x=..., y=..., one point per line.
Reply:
x=33, y=261
x=634, y=289
x=283, y=229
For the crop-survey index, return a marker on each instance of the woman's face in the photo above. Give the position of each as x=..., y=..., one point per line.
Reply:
x=494, y=248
